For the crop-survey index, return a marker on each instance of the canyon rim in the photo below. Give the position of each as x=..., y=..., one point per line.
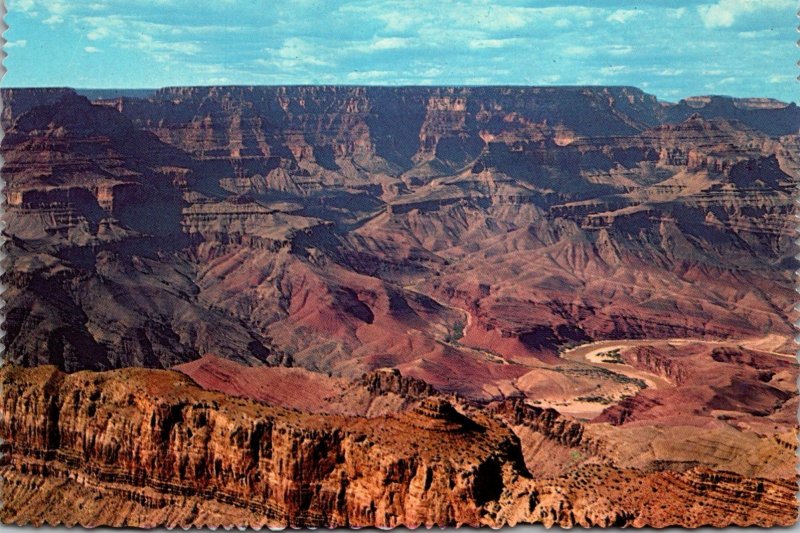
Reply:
x=407, y=304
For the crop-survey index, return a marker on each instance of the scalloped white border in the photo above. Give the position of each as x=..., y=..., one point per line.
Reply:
x=3, y=55
x=3, y=70
x=519, y=528
x=797, y=305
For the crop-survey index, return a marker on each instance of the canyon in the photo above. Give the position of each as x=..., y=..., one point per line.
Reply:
x=382, y=306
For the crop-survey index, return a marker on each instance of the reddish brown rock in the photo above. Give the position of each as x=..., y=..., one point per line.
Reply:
x=156, y=449
x=149, y=430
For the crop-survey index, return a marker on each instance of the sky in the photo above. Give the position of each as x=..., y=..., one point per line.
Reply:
x=670, y=48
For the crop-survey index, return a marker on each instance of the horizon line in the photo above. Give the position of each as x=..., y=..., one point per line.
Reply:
x=401, y=86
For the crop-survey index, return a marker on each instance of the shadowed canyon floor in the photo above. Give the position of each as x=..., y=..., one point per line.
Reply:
x=399, y=306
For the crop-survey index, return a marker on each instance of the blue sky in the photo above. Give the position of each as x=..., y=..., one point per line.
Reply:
x=670, y=48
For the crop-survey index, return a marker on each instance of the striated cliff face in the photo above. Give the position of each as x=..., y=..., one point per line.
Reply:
x=599, y=496
x=548, y=422
x=155, y=431
x=156, y=449
x=659, y=363
x=402, y=126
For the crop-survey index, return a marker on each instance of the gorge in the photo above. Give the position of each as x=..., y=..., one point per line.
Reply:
x=382, y=306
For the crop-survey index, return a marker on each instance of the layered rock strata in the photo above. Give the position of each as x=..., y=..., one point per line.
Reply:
x=170, y=453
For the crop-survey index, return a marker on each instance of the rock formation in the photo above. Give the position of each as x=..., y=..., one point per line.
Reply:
x=141, y=447
x=142, y=430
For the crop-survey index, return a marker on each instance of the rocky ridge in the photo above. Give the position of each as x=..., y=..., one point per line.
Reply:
x=153, y=441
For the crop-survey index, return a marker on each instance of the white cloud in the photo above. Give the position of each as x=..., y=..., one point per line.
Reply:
x=295, y=53
x=670, y=72
x=58, y=7
x=716, y=17
x=504, y=18
x=160, y=50
x=619, y=49
x=578, y=51
x=613, y=70
x=676, y=13
x=758, y=34
x=778, y=78
x=396, y=21
x=56, y=10
x=298, y=50
x=383, y=43
x=548, y=80
x=130, y=33
x=715, y=85
x=20, y=43
x=24, y=6
x=581, y=51
x=723, y=13
x=389, y=43
x=371, y=76
x=91, y=49
x=490, y=18
x=623, y=15
x=565, y=12
x=479, y=44
x=99, y=32
x=431, y=72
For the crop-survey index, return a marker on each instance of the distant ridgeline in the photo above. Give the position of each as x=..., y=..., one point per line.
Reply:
x=108, y=94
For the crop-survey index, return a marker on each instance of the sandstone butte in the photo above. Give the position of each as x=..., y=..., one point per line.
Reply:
x=375, y=306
